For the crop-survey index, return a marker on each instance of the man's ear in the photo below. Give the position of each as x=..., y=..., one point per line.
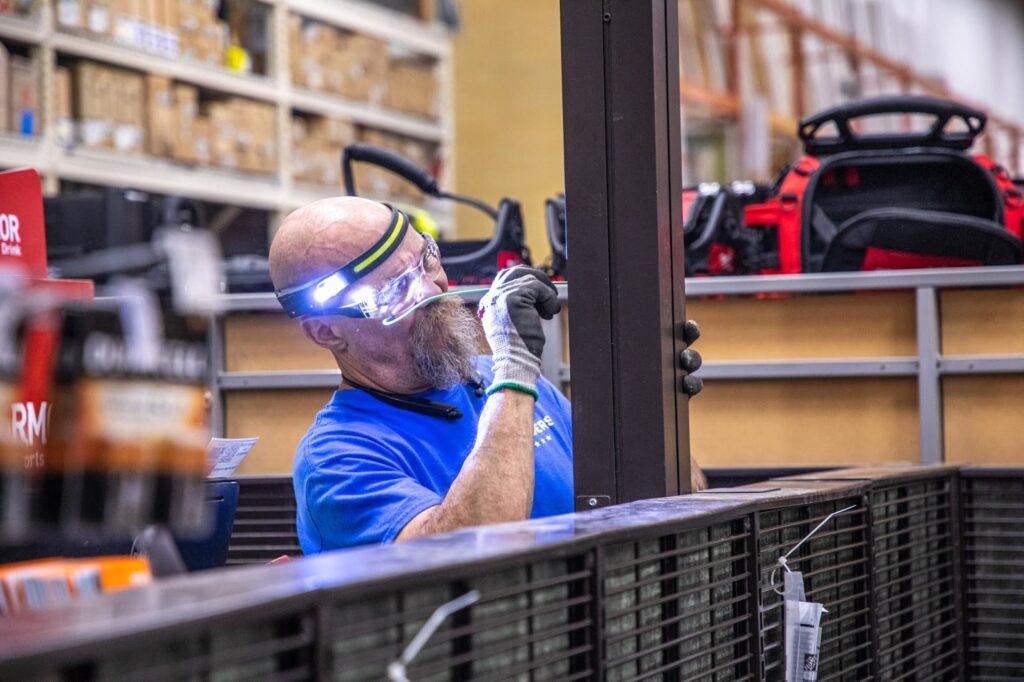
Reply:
x=321, y=332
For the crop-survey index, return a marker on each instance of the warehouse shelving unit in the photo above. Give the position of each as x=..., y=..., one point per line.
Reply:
x=277, y=193
x=929, y=365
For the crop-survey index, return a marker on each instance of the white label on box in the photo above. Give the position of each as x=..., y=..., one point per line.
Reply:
x=69, y=13
x=94, y=132
x=225, y=454
x=65, y=131
x=127, y=137
x=99, y=19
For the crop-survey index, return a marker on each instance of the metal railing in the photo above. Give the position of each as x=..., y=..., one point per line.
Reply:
x=922, y=580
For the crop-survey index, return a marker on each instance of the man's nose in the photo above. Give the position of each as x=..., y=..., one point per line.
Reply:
x=440, y=281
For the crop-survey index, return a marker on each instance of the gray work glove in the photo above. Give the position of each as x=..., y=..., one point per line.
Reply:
x=690, y=360
x=511, y=313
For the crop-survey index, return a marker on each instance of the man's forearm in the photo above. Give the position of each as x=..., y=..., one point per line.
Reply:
x=496, y=480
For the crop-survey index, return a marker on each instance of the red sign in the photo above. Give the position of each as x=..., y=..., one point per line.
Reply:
x=23, y=249
x=22, y=229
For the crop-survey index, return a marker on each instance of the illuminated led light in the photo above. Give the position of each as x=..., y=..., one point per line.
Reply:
x=366, y=299
x=328, y=288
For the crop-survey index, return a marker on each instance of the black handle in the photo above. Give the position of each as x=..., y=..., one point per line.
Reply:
x=718, y=196
x=508, y=218
x=365, y=153
x=937, y=135
x=554, y=212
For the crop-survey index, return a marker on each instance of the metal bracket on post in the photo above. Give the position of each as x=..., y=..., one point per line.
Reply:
x=620, y=83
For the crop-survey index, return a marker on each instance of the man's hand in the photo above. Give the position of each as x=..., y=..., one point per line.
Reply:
x=497, y=479
x=511, y=313
x=690, y=360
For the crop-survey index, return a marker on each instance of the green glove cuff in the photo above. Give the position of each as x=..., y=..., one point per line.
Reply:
x=514, y=386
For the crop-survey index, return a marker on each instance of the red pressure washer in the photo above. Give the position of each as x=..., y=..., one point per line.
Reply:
x=860, y=201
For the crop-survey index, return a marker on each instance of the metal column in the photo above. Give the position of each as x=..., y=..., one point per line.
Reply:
x=929, y=380
x=620, y=89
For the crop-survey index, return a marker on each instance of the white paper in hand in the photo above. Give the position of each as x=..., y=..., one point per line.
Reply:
x=225, y=454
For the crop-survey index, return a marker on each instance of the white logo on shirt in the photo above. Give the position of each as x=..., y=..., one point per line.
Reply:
x=539, y=427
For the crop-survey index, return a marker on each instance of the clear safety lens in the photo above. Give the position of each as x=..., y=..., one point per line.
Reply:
x=401, y=292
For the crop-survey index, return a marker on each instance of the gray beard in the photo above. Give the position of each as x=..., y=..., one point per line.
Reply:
x=444, y=338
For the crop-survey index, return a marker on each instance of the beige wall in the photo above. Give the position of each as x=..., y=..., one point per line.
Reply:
x=508, y=111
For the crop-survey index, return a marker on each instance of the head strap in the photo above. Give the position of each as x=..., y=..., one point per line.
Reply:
x=298, y=301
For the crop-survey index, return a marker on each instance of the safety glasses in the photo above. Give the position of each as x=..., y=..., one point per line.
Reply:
x=401, y=292
x=340, y=292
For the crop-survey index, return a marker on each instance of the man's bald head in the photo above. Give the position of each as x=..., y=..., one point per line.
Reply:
x=317, y=239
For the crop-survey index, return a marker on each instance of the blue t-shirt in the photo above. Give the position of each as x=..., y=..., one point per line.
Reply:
x=365, y=468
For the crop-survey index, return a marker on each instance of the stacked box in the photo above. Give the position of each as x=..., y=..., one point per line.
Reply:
x=186, y=134
x=240, y=135
x=64, y=120
x=24, y=87
x=350, y=65
x=412, y=87
x=110, y=106
x=358, y=68
x=5, y=88
x=201, y=37
x=169, y=28
x=223, y=131
x=90, y=94
x=130, y=113
x=161, y=115
x=149, y=25
x=381, y=184
x=317, y=144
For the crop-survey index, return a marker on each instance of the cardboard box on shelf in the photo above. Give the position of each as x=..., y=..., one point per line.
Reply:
x=130, y=134
x=412, y=87
x=360, y=64
x=317, y=144
x=265, y=139
x=202, y=152
x=24, y=85
x=168, y=15
x=160, y=115
x=62, y=92
x=64, y=119
x=148, y=11
x=5, y=87
x=336, y=131
x=90, y=105
x=186, y=108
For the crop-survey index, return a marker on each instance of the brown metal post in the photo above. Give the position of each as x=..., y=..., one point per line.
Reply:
x=620, y=84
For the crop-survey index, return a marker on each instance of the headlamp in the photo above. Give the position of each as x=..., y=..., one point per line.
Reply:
x=319, y=297
x=329, y=288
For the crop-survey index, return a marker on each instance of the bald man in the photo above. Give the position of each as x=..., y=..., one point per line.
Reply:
x=425, y=434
